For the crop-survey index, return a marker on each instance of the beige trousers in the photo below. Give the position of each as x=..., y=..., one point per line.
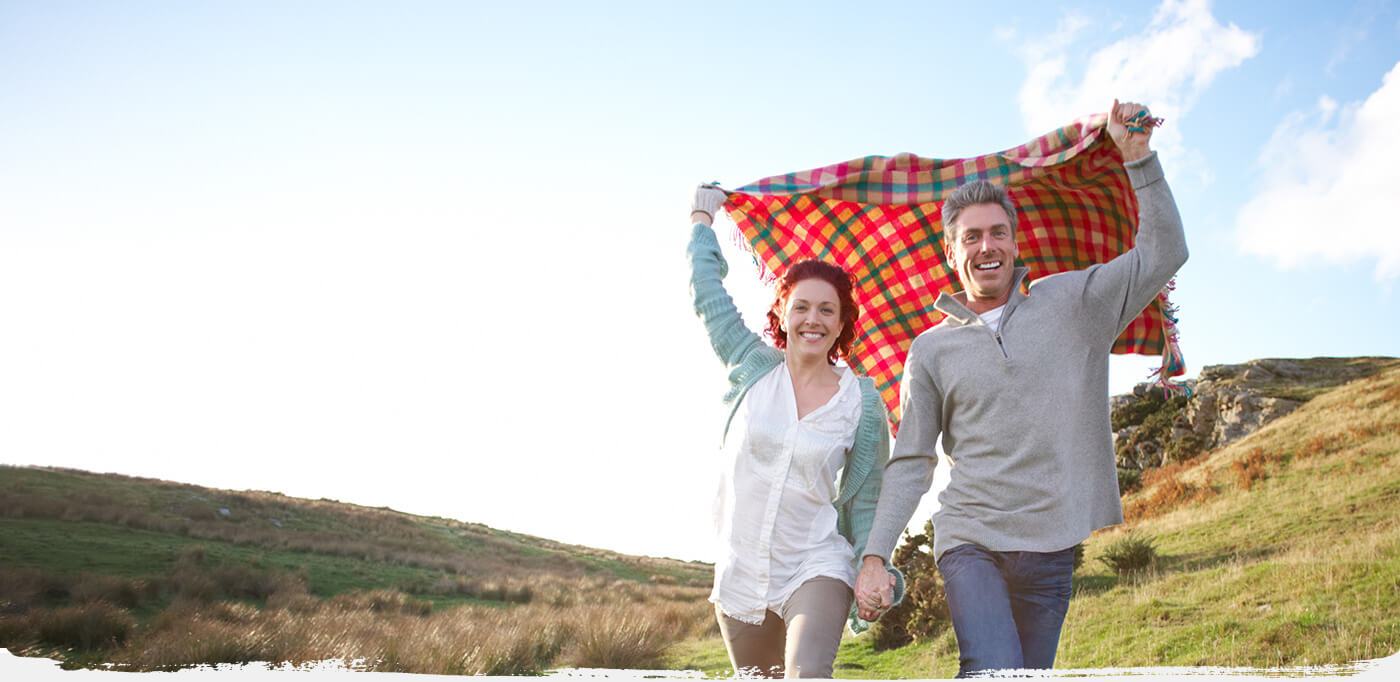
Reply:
x=799, y=642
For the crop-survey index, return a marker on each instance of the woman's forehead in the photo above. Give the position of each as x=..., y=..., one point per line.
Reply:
x=813, y=289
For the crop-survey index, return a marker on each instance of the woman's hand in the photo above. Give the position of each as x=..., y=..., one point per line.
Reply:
x=708, y=200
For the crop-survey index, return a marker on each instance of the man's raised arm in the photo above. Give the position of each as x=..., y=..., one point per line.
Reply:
x=1128, y=283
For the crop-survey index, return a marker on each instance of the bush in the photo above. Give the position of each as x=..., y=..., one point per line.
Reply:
x=1250, y=468
x=84, y=627
x=1130, y=555
x=622, y=637
x=382, y=601
x=1128, y=480
x=1185, y=447
x=89, y=588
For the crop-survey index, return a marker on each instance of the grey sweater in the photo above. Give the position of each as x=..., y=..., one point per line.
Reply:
x=1024, y=415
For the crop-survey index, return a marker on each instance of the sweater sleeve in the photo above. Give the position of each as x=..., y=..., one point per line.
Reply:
x=730, y=338
x=909, y=473
x=1128, y=283
x=863, y=508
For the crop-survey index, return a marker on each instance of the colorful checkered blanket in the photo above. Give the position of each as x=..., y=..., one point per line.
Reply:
x=879, y=217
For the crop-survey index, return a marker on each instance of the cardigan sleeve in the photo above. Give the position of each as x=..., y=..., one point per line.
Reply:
x=733, y=342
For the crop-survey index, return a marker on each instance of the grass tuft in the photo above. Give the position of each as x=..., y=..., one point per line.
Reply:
x=1130, y=555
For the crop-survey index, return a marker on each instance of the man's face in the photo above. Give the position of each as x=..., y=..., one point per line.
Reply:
x=984, y=252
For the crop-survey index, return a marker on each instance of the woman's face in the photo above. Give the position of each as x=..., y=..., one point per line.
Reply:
x=812, y=318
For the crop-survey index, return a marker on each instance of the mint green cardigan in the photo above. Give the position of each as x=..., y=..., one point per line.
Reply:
x=748, y=359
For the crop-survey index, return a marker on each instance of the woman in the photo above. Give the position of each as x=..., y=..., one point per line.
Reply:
x=790, y=530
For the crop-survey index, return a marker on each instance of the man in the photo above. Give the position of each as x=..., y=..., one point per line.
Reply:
x=1017, y=386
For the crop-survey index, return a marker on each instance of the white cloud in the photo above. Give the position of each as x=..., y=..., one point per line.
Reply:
x=1166, y=66
x=1327, y=195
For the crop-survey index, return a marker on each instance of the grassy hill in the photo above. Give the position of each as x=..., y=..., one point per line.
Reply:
x=1282, y=548
x=39, y=507
x=93, y=567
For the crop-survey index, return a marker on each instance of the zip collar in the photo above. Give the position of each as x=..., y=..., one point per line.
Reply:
x=955, y=305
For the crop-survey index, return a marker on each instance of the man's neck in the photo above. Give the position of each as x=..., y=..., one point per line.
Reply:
x=982, y=305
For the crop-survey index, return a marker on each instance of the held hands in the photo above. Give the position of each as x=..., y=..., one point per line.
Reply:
x=874, y=589
x=1130, y=125
x=708, y=200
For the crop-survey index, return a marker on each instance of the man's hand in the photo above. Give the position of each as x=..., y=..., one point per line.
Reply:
x=1130, y=125
x=874, y=589
x=706, y=203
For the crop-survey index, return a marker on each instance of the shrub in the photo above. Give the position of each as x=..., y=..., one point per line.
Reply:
x=1078, y=556
x=1130, y=555
x=20, y=589
x=1128, y=480
x=125, y=593
x=15, y=632
x=382, y=601
x=623, y=637
x=1185, y=447
x=1250, y=468
x=84, y=627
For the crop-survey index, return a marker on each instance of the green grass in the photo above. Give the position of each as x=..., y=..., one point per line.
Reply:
x=129, y=553
x=388, y=547
x=1302, y=568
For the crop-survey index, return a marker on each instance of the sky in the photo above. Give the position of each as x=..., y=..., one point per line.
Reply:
x=430, y=255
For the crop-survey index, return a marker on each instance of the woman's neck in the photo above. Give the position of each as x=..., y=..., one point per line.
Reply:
x=808, y=369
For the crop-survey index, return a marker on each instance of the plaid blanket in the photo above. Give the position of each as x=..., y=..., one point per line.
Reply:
x=879, y=217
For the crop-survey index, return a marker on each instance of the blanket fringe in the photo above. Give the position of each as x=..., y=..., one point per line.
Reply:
x=765, y=275
x=1173, y=364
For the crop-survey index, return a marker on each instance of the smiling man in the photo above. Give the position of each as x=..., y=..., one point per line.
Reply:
x=1017, y=386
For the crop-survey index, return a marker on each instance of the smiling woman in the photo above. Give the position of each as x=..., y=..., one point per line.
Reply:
x=818, y=295
x=789, y=528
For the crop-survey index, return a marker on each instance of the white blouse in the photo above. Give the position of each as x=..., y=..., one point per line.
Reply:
x=774, y=516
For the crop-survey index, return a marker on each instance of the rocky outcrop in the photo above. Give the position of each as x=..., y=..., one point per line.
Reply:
x=1227, y=402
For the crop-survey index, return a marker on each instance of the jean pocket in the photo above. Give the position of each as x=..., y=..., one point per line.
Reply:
x=954, y=558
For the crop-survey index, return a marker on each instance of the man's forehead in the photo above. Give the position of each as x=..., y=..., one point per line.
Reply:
x=977, y=228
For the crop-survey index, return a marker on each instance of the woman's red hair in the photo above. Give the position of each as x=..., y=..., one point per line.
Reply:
x=839, y=279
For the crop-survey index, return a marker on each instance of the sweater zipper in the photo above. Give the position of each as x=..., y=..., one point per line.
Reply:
x=1002, y=346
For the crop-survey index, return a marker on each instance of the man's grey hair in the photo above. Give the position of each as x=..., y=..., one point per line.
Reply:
x=971, y=194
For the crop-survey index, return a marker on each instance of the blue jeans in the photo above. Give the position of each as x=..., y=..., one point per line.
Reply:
x=1007, y=607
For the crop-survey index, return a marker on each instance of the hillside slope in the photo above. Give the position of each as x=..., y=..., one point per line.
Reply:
x=101, y=569
x=39, y=507
x=1280, y=549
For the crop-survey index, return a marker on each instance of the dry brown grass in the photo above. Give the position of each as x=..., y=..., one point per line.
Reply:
x=1166, y=488
x=584, y=622
x=94, y=625
x=385, y=631
x=1252, y=467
